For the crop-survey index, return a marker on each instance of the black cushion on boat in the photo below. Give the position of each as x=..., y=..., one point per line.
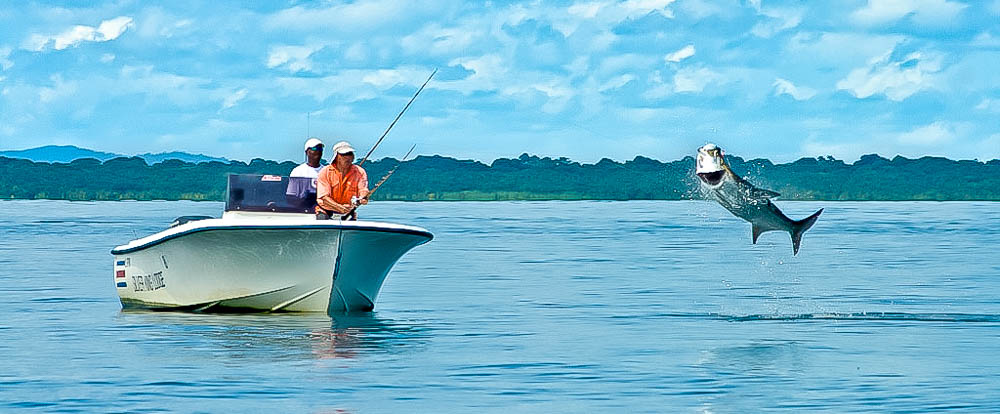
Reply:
x=185, y=219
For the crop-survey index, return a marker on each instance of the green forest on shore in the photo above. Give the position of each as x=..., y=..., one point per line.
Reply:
x=524, y=178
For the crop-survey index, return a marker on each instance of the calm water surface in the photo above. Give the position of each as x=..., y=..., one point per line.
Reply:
x=533, y=307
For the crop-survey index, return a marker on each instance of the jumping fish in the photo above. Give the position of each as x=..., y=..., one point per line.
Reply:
x=744, y=200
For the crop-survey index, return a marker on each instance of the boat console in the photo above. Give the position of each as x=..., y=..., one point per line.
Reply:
x=270, y=193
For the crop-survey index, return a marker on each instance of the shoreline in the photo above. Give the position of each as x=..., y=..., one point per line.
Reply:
x=528, y=178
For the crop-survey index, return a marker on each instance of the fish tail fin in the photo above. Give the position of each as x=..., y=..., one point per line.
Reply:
x=800, y=227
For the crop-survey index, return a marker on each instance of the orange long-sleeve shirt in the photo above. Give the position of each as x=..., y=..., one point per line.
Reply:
x=329, y=184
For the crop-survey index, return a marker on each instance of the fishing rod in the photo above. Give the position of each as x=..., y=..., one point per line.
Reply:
x=357, y=204
x=362, y=163
x=343, y=179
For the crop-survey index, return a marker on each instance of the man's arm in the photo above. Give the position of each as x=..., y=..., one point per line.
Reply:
x=327, y=203
x=323, y=198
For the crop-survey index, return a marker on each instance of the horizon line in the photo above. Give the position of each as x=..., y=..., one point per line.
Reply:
x=745, y=159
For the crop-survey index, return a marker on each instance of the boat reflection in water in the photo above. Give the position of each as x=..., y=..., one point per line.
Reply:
x=358, y=333
x=267, y=253
x=277, y=337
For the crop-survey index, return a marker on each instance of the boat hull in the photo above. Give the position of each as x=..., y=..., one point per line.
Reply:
x=213, y=265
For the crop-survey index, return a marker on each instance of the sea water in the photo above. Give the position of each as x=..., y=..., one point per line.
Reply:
x=642, y=306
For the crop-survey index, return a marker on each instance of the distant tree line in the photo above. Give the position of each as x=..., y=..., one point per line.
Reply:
x=524, y=178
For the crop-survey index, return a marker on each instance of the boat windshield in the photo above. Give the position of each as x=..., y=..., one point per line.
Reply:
x=271, y=193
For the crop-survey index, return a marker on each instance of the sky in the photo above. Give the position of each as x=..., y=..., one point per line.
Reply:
x=585, y=80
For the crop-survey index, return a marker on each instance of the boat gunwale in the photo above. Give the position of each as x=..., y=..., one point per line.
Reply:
x=124, y=249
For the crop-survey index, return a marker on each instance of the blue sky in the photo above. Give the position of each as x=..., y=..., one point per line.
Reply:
x=586, y=80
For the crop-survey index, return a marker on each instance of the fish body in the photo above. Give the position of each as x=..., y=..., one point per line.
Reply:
x=745, y=200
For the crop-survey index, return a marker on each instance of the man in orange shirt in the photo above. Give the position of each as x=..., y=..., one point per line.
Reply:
x=341, y=186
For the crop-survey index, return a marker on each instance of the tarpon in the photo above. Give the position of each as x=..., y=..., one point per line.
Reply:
x=744, y=200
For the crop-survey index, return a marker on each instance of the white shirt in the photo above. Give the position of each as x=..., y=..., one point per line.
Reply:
x=298, y=187
x=304, y=170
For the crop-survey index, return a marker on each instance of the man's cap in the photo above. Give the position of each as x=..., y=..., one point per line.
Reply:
x=342, y=147
x=312, y=142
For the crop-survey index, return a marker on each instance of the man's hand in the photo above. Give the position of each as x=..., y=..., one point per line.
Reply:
x=341, y=208
x=327, y=203
x=355, y=201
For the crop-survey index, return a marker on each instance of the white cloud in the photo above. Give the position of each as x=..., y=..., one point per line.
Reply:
x=491, y=73
x=694, y=79
x=362, y=16
x=233, y=99
x=989, y=148
x=107, y=58
x=700, y=9
x=679, y=55
x=639, y=8
x=931, y=12
x=612, y=65
x=597, y=17
x=111, y=29
x=488, y=72
x=645, y=114
x=897, y=80
x=356, y=52
x=344, y=84
x=935, y=133
x=786, y=87
x=585, y=10
x=557, y=92
x=108, y=30
x=659, y=88
x=990, y=105
x=178, y=89
x=5, y=63
x=387, y=78
x=617, y=82
x=59, y=89
x=986, y=39
x=483, y=66
x=608, y=13
x=839, y=49
x=578, y=66
x=353, y=85
x=296, y=57
x=155, y=22
x=940, y=138
x=436, y=40
x=776, y=21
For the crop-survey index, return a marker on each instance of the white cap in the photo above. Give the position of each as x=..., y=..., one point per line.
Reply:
x=312, y=142
x=342, y=147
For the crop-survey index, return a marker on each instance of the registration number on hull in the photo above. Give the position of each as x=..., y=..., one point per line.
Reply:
x=146, y=283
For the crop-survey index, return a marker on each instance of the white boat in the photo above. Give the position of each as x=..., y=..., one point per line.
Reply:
x=266, y=253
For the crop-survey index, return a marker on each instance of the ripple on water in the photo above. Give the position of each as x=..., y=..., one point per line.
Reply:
x=534, y=307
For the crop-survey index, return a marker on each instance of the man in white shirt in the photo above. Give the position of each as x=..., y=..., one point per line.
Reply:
x=302, y=181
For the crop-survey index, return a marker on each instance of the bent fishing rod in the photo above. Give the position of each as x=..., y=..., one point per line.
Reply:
x=368, y=196
x=343, y=179
x=362, y=163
